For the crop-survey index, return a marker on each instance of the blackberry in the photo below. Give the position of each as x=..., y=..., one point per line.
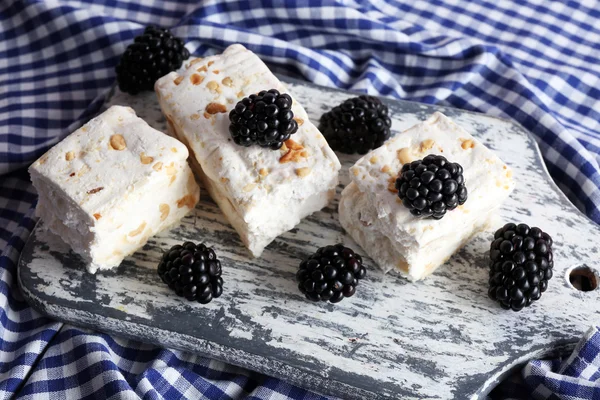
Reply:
x=331, y=273
x=265, y=118
x=432, y=186
x=192, y=271
x=357, y=125
x=521, y=263
x=152, y=55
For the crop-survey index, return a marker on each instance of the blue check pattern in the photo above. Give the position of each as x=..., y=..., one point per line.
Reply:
x=534, y=61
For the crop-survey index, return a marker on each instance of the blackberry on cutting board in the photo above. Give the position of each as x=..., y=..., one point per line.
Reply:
x=357, y=125
x=331, y=273
x=432, y=186
x=521, y=263
x=192, y=271
x=152, y=55
x=265, y=119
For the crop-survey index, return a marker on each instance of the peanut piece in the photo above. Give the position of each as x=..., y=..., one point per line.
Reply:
x=146, y=159
x=164, y=211
x=117, y=142
x=214, y=108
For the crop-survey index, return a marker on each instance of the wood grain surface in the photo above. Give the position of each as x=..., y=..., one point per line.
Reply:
x=437, y=339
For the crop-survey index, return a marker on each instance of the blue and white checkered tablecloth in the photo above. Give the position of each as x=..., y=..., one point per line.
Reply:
x=534, y=61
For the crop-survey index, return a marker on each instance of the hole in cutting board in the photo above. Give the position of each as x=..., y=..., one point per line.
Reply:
x=583, y=278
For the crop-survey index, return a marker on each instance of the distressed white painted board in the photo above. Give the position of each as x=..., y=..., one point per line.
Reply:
x=437, y=339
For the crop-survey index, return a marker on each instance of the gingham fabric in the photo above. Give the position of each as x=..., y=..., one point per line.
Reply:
x=534, y=61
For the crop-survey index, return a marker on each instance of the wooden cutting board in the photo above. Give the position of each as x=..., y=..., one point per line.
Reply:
x=437, y=339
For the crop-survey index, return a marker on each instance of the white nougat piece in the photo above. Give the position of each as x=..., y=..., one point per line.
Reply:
x=110, y=185
x=374, y=216
x=262, y=192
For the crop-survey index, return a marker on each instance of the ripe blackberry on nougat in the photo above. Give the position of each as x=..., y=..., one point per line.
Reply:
x=410, y=208
x=110, y=185
x=267, y=183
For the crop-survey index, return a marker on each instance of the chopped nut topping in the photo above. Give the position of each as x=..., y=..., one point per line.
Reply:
x=146, y=159
x=240, y=93
x=84, y=129
x=386, y=168
x=97, y=216
x=157, y=166
x=283, y=148
x=509, y=173
x=117, y=142
x=403, y=265
x=293, y=145
x=213, y=86
x=174, y=149
x=227, y=81
x=194, y=61
x=392, y=184
x=202, y=69
x=467, y=144
x=214, y=108
x=196, y=79
x=249, y=187
x=355, y=171
x=69, y=156
x=172, y=180
x=207, y=116
x=138, y=230
x=194, y=116
x=263, y=172
x=299, y=121
x=224, y=180
x=72, y=174
x=189, y=200
x=295, y=153
x=83, y=170
x=373, y=159
x=426, y=145
x=210, y=63
x=302, y=172
x=164, y=211
x=96, y=190
x=171, y=170
x=216, y=71
x=178, y=80
x=404, y=155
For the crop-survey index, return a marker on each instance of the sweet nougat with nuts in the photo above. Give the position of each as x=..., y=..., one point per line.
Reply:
x=110, y=185
x=373, y=214
x=262, y=192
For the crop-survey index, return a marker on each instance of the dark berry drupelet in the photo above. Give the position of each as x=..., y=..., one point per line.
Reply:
x=521, y=263
x=357, y=125
x=265, y=119
x=152, y=55
x=192, y=271
x=432, y=186
x=332, y=273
